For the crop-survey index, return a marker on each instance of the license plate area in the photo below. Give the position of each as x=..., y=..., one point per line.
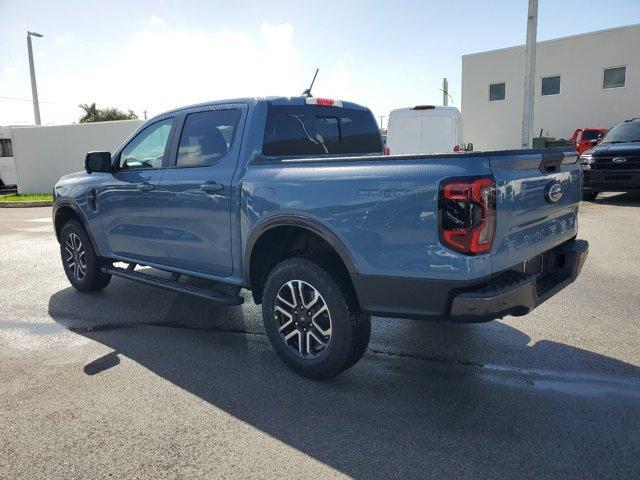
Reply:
x=534, y=266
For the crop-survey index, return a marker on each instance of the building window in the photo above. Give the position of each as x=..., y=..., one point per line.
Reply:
x=6, y=149
x=496, y=91
x=550, y=85
x=614, y=77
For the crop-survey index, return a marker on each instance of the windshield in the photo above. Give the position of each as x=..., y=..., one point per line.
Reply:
x=625, y=132
x=590, y=134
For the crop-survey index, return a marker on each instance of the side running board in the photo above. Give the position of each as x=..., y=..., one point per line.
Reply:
x=173, y=284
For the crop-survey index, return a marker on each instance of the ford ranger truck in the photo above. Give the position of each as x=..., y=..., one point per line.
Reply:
x=292, y=199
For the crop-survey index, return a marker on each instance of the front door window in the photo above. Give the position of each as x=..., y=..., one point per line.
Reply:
x=148, y=148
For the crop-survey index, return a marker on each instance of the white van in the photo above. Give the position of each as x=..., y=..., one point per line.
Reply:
x=7, y=164
x=424, y=129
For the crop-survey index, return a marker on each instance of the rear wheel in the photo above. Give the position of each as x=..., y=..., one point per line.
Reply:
x=80, y=262
x=310, y=322
x=589, y=196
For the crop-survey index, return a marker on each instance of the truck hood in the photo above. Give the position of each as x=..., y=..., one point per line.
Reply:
x=73, y=176
x=615, y=149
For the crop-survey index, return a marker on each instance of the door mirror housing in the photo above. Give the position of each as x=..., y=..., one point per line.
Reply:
x=97, y=162
x=594, y=141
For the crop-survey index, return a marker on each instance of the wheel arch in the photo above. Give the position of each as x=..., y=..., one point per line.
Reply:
x=65, y=210
x=256, y=267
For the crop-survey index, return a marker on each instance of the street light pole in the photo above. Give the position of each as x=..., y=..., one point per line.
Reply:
x=445, y=92
x=32, y=70
x=529, y=75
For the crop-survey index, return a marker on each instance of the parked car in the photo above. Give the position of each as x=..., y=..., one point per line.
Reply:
x=292, y=199
x=582, y=137
x=424, y=129
x=614, y=164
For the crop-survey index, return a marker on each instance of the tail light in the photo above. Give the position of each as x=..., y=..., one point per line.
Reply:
x=387, y=151
x=456, y=148
x=467, y=215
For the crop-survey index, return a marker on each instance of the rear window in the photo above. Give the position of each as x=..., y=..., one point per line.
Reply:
x=318, y=130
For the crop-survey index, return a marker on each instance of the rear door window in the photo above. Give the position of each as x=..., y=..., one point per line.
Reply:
x=206, y=137
x=318, y=130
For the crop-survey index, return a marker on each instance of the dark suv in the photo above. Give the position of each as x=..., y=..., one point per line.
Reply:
x=614, y=164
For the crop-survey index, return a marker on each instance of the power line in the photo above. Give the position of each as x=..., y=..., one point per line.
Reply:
x=2, y=97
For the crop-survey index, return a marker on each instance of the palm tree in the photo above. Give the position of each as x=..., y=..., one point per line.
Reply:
x=95, y=114
x=91, y=113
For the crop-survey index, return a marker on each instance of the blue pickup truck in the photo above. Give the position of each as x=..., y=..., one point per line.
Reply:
x=293, y=199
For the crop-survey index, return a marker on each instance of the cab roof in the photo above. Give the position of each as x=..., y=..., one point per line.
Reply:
x=298, y=100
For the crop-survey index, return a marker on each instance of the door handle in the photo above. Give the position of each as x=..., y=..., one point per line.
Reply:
x=211, y=187
x=144, y=187
x=92, y=198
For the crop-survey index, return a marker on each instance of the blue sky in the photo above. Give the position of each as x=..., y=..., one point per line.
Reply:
x=154, y=55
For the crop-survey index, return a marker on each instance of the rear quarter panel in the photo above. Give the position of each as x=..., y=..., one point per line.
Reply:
x=384, y=211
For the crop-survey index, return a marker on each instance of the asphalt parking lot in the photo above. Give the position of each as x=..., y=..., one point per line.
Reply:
x=135, y=382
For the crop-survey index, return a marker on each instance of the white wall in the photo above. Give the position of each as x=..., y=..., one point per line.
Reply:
x=44, y=154
x=581, y=103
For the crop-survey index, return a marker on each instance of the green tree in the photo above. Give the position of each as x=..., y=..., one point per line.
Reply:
x=95, y=114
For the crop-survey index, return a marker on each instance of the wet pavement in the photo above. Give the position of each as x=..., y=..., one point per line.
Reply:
x=136, y=382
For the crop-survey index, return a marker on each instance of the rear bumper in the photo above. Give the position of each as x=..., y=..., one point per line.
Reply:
x=509, y=293
x=610, y=180
x=515, y=293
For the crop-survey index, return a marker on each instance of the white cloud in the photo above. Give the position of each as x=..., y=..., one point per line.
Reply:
x=339, y=82
x=64, y=38
x=161, y=68
x=10, y=72
x=154, y=21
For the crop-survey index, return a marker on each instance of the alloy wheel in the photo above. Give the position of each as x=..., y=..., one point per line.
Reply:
x=303, y=319
x=76, y=256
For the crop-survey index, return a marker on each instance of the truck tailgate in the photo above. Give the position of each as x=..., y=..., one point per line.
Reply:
x=537, y=198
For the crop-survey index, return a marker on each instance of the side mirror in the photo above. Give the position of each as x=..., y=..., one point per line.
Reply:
x=97, y=162
x=594, y=141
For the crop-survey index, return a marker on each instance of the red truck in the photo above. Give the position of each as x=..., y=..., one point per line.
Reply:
x=582, y=136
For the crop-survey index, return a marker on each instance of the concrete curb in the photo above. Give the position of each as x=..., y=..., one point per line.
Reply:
x=33, y=203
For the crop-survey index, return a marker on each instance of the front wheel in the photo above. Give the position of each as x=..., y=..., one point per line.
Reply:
x=310, y=322
x=80, y=262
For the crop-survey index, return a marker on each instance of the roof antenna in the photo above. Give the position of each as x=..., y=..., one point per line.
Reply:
x=307, y=92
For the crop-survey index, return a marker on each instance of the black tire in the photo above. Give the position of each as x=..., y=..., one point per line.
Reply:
x=74, y=238
x=589, y=196
x=350, y=329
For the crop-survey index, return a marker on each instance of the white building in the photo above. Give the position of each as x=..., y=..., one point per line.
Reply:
x=588, y=80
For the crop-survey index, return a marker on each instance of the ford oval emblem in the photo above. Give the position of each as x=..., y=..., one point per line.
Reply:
x=619, y=160
x=553, y=192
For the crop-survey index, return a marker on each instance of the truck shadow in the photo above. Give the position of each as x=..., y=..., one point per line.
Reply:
x=388, y=417
x=629, y=199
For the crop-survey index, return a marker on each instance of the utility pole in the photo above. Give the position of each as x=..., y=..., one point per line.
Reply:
x=382, y=117
x=529, y=75
x=32, y=70
x=445, y=92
